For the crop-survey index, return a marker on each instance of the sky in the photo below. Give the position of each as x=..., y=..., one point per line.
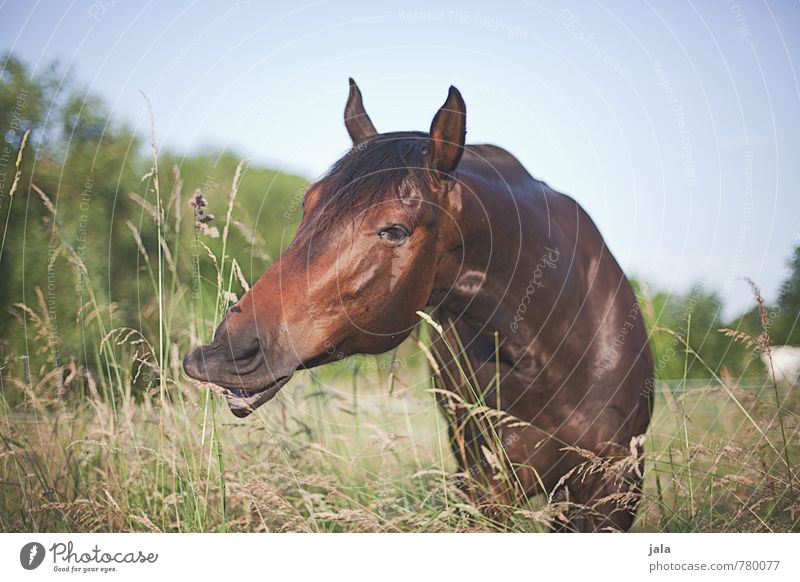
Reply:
x=676, y=125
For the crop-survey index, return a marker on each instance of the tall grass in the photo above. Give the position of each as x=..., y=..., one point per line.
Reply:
x=121, y=440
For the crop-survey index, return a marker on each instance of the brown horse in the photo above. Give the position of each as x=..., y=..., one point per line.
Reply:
x=516, y=272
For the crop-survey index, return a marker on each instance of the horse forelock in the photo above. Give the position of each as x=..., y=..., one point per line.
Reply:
x=384, y=167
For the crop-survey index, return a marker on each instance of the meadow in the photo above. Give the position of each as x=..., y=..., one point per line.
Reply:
x=346, y=454
x=108, y=434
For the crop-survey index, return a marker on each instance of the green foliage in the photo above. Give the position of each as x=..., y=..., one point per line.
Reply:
x=82, y=252
x=696, y=316
x=786, y=329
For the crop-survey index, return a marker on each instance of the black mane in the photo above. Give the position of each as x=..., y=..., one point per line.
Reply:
x=369, y=173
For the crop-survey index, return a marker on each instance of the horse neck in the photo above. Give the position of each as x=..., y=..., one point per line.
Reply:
x=507, y=274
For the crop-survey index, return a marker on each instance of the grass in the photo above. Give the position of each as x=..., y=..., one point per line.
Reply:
x=311, y=463
x=121, y=440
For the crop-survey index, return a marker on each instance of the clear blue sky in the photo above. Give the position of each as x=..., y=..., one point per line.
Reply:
x=675, y=124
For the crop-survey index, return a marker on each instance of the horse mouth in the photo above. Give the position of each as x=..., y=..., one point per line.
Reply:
x=246, y=388
x=244, y=402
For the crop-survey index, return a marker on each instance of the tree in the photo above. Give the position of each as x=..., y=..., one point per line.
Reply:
x=786, y=328
x=91, y=168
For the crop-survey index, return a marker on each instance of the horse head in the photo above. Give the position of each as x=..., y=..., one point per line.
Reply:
x=363, y=261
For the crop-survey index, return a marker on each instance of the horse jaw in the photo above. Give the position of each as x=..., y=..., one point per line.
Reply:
x=243, y=403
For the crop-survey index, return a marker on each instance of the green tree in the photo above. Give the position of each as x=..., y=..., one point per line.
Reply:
x=697, y=318
x=96, y=175
x=786, y=328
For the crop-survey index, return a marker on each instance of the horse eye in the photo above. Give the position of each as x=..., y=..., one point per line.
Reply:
x=394, y=234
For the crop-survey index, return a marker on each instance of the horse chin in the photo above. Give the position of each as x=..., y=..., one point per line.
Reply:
x=244, y=402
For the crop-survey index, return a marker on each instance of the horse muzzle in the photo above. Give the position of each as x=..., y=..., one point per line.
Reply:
x=248, y=383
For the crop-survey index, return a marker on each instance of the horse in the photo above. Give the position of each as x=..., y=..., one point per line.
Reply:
x=516, y=276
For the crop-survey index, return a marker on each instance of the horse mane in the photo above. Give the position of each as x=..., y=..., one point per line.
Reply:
x=369, y=173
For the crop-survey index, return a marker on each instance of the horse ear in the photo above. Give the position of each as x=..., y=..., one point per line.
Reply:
x=448, y=133
x=358, y=123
